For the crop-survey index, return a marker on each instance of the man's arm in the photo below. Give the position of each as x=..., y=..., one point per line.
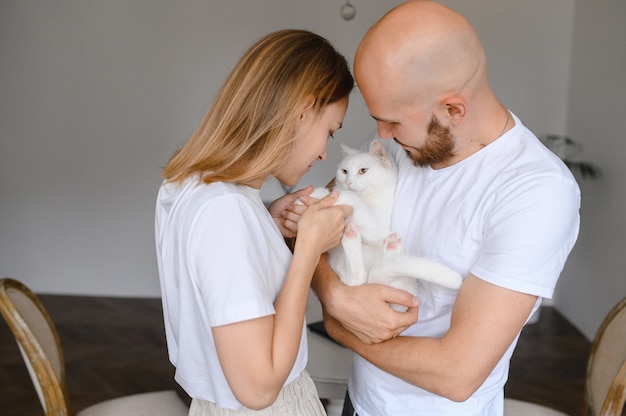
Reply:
x=364, y=310
x=485, y=321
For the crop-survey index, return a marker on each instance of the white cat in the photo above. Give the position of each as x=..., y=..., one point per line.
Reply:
x=369, y=252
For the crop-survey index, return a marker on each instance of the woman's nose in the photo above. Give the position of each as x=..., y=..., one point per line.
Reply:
x=384, y=130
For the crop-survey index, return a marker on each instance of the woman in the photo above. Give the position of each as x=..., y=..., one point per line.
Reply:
x=234, y=296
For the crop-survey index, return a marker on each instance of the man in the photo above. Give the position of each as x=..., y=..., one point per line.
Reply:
x=477, y=192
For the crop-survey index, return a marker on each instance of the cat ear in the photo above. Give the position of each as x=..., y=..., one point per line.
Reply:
x=347, y=150
x=378, y=150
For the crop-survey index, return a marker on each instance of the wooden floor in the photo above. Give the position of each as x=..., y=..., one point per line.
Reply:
x=116, y=346
x=549, y=364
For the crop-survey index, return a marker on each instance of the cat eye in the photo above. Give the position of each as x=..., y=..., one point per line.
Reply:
x=344, y=171
x=362, y=171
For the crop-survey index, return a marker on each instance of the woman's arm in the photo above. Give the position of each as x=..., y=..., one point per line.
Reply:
x=257, y=355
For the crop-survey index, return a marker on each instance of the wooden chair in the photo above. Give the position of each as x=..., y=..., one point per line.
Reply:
x=38, y=341
x=605, y=383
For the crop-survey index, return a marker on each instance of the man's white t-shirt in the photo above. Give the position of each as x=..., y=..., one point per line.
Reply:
x=507, y=214
x=221, y=260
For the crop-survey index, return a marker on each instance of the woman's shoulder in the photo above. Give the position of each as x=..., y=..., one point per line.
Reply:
x=194, y=196
x=223, y=196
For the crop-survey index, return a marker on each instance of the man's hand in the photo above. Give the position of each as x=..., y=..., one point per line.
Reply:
x=365, y=311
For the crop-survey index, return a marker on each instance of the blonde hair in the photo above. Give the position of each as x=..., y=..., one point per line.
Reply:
x=249, y=128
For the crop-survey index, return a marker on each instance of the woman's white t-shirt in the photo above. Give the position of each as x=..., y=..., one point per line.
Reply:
x=221, y=259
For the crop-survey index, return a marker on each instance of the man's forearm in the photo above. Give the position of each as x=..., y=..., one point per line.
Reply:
x=417, y=361
x=324, y=280
x=485, y=321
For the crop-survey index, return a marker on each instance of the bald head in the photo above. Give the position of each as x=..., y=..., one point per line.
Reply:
x=421, y=48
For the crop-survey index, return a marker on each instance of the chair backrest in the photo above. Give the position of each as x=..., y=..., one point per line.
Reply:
x=605, y=386
x=38, y=342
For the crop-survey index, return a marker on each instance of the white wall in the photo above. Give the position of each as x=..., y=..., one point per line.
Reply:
x=595, y=277
x=97, y=94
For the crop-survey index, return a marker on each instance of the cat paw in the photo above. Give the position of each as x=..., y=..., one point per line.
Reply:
x=351, y=230
x=392, y=243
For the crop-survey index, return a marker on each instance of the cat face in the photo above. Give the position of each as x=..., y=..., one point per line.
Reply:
x=366, y=171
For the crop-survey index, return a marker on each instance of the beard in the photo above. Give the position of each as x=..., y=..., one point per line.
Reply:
x=438, y=147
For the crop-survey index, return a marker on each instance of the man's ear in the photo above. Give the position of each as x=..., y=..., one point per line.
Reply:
x=455, y=109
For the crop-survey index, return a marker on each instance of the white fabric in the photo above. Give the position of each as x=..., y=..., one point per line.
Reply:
x=221, y=260
x=297, y=398
x=507, y=214
x=160, y=403
x=519, y=408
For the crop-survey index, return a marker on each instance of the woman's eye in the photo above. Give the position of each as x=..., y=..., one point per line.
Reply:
x=362, y=171
x=330, y=135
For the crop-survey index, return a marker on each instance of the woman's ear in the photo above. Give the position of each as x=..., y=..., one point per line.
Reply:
x=307, y=107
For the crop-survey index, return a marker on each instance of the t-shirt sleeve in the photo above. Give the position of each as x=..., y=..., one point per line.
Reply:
x=529, y=234
x=229, y=254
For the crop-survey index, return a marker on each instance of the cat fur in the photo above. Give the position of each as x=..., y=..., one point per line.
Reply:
x=369, y=251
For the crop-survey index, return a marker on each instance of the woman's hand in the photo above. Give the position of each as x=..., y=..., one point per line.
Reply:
x=286, y=213
x=321, y=225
